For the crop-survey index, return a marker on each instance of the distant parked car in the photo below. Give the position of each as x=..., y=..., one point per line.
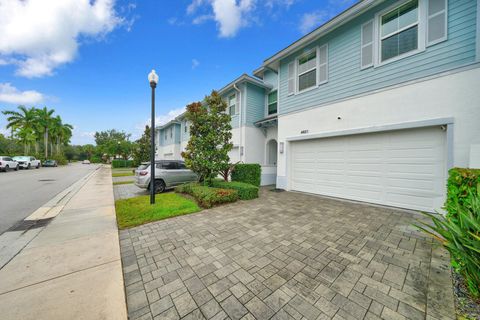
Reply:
x=7, y=163
x=86, y=161
x=50, y=163
x=27, y=162
x=168, y=174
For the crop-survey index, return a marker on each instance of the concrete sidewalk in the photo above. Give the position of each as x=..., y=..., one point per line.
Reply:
x=72, y=269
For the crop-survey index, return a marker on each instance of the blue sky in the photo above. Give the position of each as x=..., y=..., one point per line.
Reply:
x=90, y=60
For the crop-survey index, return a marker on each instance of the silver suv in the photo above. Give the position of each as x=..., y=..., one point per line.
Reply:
x=168, y=174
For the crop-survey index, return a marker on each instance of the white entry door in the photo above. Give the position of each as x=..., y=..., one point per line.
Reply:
x=403, y=168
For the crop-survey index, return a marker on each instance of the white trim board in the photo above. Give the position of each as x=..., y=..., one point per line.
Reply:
x=372, y=129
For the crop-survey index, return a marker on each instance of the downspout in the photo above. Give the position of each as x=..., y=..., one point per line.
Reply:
x=239, y=119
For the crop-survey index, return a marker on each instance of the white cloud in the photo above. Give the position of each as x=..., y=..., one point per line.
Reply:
x=194, y=6
x=311, y=20
x=203, y=18
x=10, y=94
x=164, y=118
x=38, y=36
x=195, y=63
x=230, y=15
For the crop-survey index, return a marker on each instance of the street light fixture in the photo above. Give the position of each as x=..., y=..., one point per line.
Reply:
x=153, y=79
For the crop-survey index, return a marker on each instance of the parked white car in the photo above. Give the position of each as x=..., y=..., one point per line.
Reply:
x=27, y=162
x=7, y=163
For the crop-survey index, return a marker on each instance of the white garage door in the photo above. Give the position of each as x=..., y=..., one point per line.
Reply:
x=404, y=168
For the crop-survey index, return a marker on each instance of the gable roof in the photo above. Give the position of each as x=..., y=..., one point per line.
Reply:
x=245, y=78
x=334, y=23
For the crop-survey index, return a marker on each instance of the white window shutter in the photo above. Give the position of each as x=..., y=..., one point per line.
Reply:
x=237, y=103
x=367, y=45
x=437, y=21
x=291, y=78
x=322, y=64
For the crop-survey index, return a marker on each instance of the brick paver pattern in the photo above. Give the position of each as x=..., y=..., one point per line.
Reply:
x=286, y=256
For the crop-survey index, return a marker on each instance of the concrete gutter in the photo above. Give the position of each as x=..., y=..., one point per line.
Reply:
x=71, y=269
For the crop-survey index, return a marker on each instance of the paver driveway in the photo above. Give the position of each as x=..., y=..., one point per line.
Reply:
x=286, y=256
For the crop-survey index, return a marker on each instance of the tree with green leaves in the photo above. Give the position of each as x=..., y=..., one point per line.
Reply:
x=141, y=153
x=45, y=121
x=113, y=142
x=23, y=124
x=210, y=137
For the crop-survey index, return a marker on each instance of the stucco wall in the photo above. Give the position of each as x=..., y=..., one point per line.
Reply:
x=454, y=95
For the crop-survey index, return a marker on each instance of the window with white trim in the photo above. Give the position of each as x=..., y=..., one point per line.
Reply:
x=272, y=102
x=171, y=133
x=307, y=71
x=185, y=126
x=399, y=31
x=231, y=105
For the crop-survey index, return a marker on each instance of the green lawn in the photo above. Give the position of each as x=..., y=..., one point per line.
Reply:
x=122, y=174
x=122, y=182
x=136, y=211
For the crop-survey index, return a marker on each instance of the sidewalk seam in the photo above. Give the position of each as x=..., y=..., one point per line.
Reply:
x=58, y=277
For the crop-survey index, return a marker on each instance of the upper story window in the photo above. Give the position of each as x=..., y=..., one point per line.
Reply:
x=185, y=126
x=399, y=31
x=307, y=71
x=171, y=133
x=272, y=102
x=231, y=104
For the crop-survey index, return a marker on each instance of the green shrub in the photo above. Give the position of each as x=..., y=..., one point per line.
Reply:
x=245, y=191
x=459, y=231
x=118, y=163
x=248, y=173
x=460, y=235
x=60, y=158
x=208, y=197
x=96, y=159
x=462, y=184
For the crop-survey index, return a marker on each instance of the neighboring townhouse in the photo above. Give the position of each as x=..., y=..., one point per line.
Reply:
x=168, y=139
x=375, y=105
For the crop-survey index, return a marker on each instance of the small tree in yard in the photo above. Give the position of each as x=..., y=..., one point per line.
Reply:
x=210, y=133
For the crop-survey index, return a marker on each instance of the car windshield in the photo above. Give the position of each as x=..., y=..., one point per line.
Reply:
x=143, y=166
x=21, y=158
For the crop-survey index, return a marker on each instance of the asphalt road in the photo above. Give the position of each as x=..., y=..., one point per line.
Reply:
x=24, y=191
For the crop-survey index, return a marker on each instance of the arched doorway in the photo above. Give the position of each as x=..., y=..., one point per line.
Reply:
x=272, y=152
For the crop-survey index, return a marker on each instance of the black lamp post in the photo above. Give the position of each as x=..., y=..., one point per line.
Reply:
x=153, y=79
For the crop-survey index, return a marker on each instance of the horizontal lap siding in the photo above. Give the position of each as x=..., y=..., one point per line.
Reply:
x=346, y=79
x=270, y=78
x=255, y=109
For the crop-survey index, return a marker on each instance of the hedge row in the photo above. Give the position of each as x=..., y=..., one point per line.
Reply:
x=245, y=191
x=118, y=163
x=248, y=173
x=208, y=197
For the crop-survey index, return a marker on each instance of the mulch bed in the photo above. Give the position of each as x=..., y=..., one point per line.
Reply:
x=467, y=307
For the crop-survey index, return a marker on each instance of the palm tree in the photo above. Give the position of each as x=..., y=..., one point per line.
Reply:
x=44, y=119
x=60, y=133
x=26, y=136
x=24, y=119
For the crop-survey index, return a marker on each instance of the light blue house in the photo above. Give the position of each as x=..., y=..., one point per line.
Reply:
x=375, y=105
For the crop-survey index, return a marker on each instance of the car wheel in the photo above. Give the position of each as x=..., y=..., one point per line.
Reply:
x=7, y=168
x=38, y=166
x=159, y=186
x=28, y=167
x=17, y=167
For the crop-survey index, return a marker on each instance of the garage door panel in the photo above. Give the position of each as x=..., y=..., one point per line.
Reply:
x=404, y=168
